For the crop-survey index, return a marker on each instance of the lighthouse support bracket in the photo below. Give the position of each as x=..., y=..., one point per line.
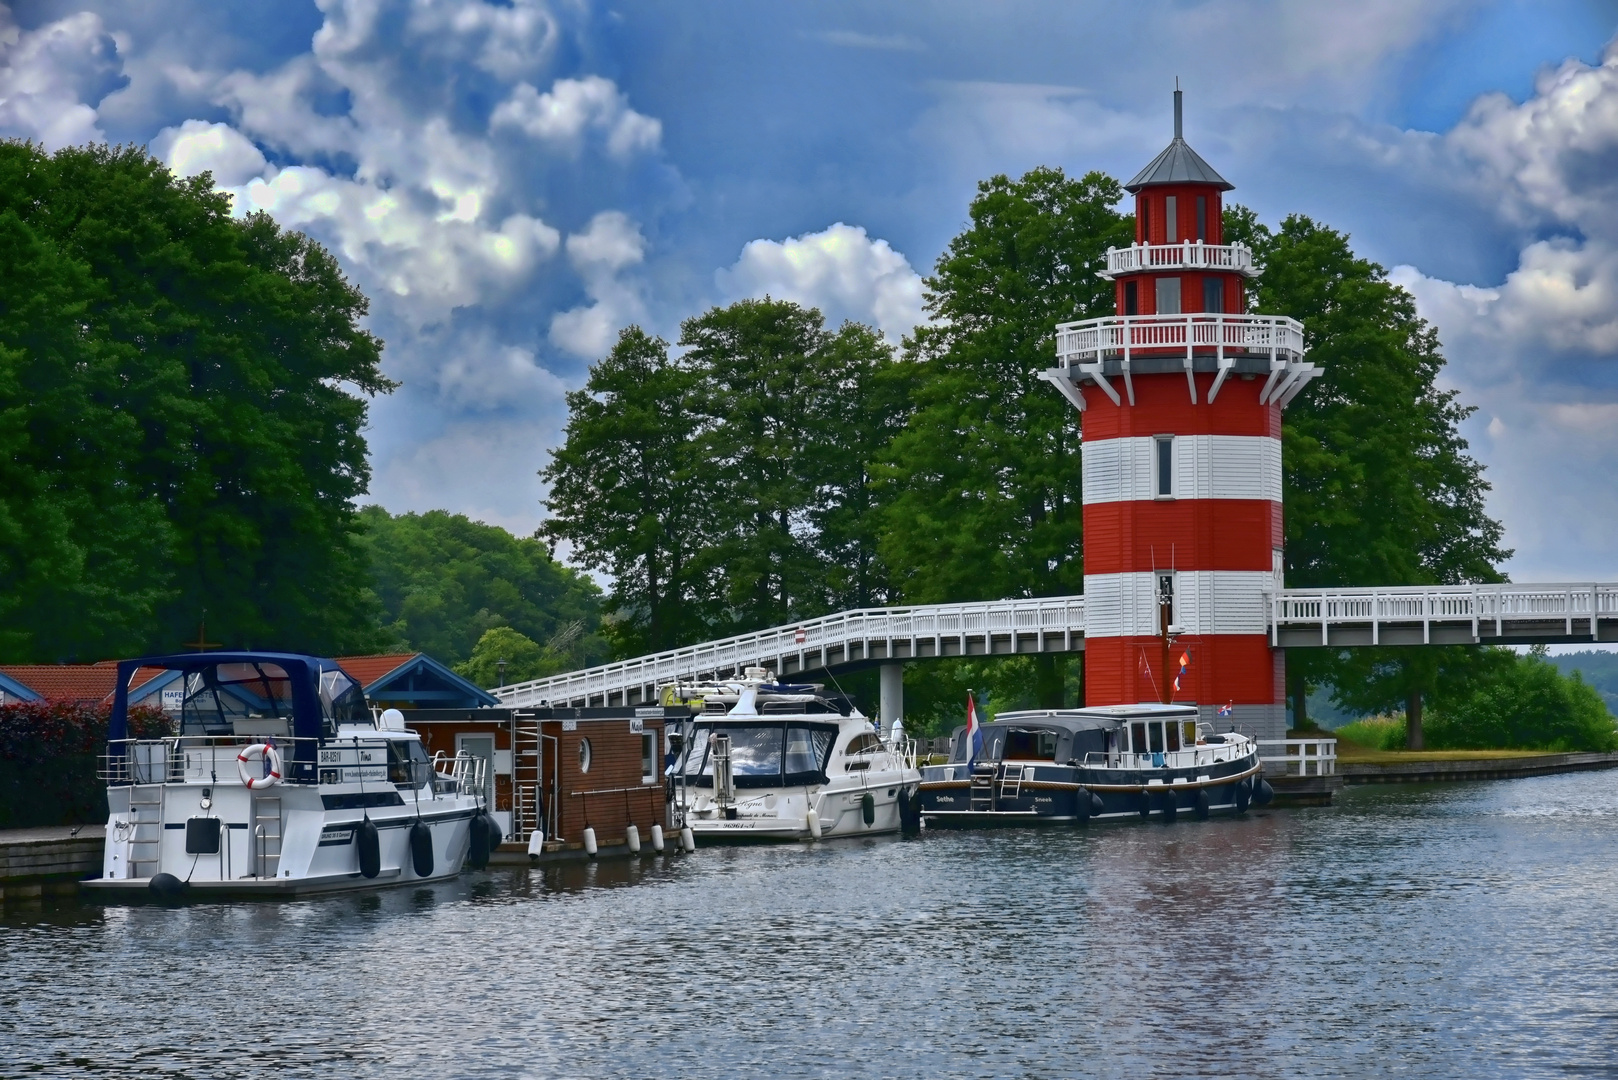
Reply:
x=1062, y=379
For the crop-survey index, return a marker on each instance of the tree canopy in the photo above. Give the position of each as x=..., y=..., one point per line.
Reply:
x=729, y=488
x=181, y=429
x=445, y=582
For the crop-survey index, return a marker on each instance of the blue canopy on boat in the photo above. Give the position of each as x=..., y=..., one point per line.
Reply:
x=301, y=684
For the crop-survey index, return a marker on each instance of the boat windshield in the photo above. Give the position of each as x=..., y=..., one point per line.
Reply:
x=761, y=755
x=1030, y=744
x=228, y=699
x=342, y=702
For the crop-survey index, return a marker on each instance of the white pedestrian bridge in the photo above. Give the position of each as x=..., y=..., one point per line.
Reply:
x=1564, y=613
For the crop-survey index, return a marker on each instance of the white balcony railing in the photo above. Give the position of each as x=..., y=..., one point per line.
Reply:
x=1124, y=336
x=1187, y=255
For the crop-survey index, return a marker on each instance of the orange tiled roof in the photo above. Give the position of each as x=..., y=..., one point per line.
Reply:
x=369, y=669
x=75, y=682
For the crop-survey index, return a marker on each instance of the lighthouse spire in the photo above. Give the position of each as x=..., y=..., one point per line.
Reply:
x=1179, y=124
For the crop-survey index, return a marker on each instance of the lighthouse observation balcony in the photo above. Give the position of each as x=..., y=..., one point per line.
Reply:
x=1129, y=345
x=1186, y=255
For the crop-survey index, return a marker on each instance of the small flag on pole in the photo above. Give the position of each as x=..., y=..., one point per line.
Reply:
x=1224, y=710
x=974, y=732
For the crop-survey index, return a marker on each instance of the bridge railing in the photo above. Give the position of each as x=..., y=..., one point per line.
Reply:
x=1063, y=614
x=1429, y=604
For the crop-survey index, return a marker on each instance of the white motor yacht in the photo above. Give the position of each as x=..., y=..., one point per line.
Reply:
x=274, y=778
x=763, y=760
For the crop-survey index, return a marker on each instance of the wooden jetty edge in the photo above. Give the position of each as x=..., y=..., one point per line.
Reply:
x=49, y=861
x=1419, y=771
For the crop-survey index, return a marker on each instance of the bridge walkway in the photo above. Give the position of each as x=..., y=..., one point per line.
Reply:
x=1510, y=614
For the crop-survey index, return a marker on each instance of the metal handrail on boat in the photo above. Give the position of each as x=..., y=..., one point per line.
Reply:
x=165, y=760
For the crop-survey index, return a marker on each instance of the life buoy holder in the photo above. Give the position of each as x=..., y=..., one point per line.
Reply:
x=269, y=754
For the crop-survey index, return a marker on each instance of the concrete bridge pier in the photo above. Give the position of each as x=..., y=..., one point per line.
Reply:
x=893, y=695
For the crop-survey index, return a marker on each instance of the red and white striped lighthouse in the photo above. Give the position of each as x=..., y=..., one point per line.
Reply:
x=1182, y=393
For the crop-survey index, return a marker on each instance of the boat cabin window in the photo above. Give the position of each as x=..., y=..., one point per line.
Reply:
x=1030, y=744
x=237, y=699
x=808, y=749
x=408, y=765
x=342, y=702
x=761, y=755
x=865, y=743
x=1156, y=736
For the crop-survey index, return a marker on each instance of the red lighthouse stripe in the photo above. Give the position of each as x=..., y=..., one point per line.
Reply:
x=1163, y=407
x=1230, y=534
x=1238, y=669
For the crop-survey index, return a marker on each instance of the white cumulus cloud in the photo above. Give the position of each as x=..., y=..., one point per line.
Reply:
x=197, y=146
x=609, y=245
x=573, y=107
x=840, y=270
x=51, y=77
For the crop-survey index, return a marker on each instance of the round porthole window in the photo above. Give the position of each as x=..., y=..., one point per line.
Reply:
x=584, y=755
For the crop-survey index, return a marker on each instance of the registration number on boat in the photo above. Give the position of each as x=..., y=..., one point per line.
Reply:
x=334, y=837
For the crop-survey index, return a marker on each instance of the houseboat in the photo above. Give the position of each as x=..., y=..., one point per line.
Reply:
x=563, y=781
x=1074, y=765
x=762, y=760
x=275, y=778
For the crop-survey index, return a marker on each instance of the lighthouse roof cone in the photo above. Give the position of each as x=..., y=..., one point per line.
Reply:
x=1178, y=163
x=1181, y=393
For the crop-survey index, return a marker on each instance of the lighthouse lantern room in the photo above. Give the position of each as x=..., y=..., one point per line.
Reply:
x=1181, y=394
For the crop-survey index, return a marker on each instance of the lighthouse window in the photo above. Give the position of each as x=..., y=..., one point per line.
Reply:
x=1168, y=296
x=1202, y=217
x=1146, y=221
x=1171, y=220
x=1164, y=447
x=1131, y=298
x=1213, y=294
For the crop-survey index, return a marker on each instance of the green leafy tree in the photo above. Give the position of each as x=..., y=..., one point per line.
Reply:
x=758, y=388
x=983, y=484
x=444, y=582
x=628, y=492
x=176, y=384
x=1524, y=702
x=862, y=405
x=730, y=489
x=1380, y=489
x=505, y=656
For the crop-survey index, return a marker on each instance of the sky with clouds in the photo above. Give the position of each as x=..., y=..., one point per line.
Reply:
x=513, y=182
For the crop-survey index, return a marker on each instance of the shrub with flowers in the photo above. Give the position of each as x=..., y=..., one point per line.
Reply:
x=48, y=752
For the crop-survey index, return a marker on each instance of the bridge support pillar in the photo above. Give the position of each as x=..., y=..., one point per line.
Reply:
x=893, y=695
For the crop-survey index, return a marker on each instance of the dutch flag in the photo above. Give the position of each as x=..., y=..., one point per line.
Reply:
x=974, y=732
x=1224, y=710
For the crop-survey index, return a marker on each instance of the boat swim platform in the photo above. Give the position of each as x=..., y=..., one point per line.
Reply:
x=1490, y=614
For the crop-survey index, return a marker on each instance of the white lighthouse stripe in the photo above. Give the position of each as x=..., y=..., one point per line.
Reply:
x=1205, y=467
x=1205, y=602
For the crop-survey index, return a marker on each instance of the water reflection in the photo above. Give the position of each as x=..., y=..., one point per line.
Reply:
x=1446, y=930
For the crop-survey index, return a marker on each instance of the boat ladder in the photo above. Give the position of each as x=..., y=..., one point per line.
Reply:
x=526, y=773
x=983, y=786
x=1011, y=781
x=266, y=836
x=146, y=840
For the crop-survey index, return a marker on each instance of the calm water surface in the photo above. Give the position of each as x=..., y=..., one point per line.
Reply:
x=1461, y=930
